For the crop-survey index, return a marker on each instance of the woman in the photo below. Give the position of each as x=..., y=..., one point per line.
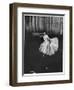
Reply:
x=49, y=46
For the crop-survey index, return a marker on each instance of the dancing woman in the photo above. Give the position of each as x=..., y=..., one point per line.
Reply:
x=48, y=46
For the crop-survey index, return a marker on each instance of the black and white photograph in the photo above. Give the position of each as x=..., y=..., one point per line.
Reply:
x=42, y=44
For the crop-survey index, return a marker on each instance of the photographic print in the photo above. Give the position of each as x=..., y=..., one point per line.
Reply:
x=40, y=44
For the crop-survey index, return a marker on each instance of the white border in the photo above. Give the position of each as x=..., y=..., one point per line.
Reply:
x=50, y=76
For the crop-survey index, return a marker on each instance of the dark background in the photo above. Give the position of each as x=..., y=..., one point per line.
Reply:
x=34, y=61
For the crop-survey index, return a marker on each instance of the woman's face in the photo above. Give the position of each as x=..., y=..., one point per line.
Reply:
x=44, y=33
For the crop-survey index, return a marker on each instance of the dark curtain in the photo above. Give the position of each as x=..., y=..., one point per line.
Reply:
x=51, y=24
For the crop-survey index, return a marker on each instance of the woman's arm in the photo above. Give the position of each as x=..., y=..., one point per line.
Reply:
x=38, y=34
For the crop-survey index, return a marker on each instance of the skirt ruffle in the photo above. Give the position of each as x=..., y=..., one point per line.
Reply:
x=49, y=48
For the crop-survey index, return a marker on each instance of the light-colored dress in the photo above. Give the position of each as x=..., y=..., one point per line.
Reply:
x=49, y=46
x=54, y=45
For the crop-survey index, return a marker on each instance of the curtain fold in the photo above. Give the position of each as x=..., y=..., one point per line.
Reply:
x=50, y=24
